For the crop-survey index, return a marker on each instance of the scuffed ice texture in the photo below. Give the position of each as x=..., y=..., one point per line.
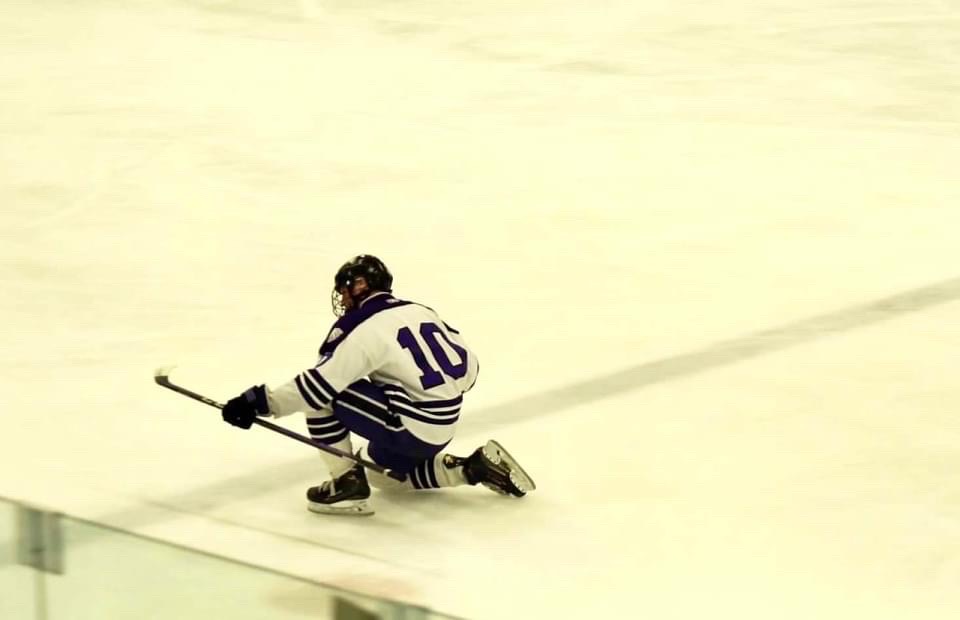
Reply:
x=588, y=188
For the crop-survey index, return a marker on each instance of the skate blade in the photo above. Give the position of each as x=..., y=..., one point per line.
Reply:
x=358, y=508
x=520, y=478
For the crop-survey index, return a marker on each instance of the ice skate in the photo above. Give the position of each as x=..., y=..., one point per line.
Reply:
x=493, y=467
x=348, y=494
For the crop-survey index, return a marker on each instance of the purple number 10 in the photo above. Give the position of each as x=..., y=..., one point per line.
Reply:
x=431, y=333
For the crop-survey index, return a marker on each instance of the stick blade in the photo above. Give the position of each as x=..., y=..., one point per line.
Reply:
x=161, y=375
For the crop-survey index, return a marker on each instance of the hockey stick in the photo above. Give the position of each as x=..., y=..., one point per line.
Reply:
x=162, y=377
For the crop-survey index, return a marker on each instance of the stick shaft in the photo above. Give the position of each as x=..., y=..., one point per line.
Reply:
x=163, y=380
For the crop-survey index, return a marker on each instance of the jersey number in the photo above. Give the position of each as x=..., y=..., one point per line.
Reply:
x=431, y=334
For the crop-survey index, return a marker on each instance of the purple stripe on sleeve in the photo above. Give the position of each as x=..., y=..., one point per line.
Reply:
x=316, y=376
x=439, y=404
x=446, y=420
x=398, y=394
x=307, y=397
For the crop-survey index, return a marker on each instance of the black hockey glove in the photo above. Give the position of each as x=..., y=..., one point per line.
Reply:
x=242, y=410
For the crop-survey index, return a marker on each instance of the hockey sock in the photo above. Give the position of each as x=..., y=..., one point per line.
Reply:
x=331, y=431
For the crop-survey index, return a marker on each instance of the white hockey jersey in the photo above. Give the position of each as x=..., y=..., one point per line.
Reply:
x=423, y=365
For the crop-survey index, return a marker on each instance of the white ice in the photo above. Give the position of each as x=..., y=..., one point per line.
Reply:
x=598, y=194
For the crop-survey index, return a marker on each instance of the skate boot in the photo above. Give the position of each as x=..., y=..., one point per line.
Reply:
x=348, y=494
x=494, y=468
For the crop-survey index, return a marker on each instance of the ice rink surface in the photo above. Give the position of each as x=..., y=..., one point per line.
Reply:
x=707, y=253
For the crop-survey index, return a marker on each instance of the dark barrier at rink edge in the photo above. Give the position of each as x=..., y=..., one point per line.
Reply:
x=57, y=567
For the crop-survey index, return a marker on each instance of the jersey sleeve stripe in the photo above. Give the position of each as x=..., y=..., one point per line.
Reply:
x=434, y=408
x=409, y=404
x=440, y=404
x=318, y=394
x=306, y=395
x=381, y=421
x=325, y=388
x=411, y=412
x=395, y=392
x=367, y=399
x=406, y=406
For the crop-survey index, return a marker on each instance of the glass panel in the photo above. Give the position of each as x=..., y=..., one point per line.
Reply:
x=110, y=574
x=17, y=582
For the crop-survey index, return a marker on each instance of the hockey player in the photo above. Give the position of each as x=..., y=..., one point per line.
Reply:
x=393, y=372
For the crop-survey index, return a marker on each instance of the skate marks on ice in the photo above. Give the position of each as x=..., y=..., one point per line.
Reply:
x=648, y=373
x=321, y=541
x=714, y=356
x=205, y=499
x=285, y=481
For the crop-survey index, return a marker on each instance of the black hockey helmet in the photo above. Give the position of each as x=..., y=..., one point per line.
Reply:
x=371, y=269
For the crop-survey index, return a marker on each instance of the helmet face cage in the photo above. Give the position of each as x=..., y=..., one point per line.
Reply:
x=371, y=269
x=337, y=303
